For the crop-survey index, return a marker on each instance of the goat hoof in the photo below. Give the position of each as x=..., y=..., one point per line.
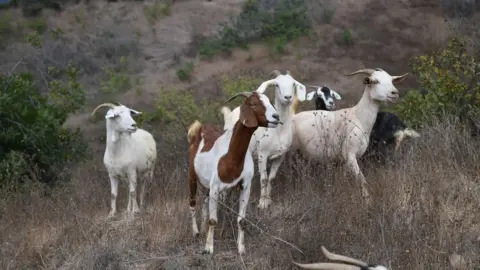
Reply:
x=208, y=250
x=241, y=249
x=110, y=215
x=264, y=203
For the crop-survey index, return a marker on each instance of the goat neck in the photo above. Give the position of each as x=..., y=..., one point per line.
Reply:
x=114, y=140
x=285, y=113
x=232, y=162
x=366, y=111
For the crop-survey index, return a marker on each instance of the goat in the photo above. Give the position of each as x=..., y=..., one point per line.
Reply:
x=323, y=97
x=347, y=263
x=343, y=135
x=272, y=144
x=130, y=151
x=220, y=160
x=388, y=129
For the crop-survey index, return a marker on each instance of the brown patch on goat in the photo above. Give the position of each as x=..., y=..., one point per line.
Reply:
x=210, y=134
x=252, y=115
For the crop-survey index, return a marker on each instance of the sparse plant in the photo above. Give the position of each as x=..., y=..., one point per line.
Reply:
x=117, y=79
x=34, y=39
x=57, y=32
x=37, y=24
x=347, y=37
x=185, y=72
x=158, y=10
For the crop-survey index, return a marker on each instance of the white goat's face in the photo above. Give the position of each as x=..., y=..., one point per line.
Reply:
x=122, y=117
x=380, y=86
x=324, y=95
x=285, y=87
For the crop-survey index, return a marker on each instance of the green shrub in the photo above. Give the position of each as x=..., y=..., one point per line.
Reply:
x=37, y=24
x=284, y=21
x=450, y=76
x=185, y=73
x=33, y=143
x=347, y=37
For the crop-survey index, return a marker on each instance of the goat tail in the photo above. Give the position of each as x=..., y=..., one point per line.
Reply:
x=411, y=133
x=192, y=130
x=295, y=104
x=225, y=111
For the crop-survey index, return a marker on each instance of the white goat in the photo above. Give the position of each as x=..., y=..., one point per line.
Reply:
x=129, y=151
x=220, y=160
x=345, y=263
x=271, y=144
x=343, y=135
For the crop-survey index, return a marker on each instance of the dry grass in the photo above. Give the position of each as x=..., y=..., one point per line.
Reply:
x=425, y=208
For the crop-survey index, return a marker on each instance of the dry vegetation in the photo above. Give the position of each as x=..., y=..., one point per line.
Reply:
x=425, y=208
x=425, y=205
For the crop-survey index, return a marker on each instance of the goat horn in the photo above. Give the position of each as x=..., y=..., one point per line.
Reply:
x=336, y=257
x=327, y=266
x=367, y=71
x=276, y=73
x=110, y=105
x=243, y=94
x=118, y=103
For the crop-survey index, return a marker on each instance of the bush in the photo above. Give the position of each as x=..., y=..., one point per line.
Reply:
x=33, y=143
x=450, y=78
x=260, y=20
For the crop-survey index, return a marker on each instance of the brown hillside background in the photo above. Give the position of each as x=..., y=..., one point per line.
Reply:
x=426, y=207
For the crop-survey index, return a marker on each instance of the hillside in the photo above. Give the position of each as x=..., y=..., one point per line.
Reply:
x=425, y=206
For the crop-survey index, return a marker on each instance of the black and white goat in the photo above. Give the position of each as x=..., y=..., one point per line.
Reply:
x=387, y=130
x=324, y=97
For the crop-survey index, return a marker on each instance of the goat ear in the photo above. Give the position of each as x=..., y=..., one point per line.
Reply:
x=110, y=114
x=135, y=113
x=311, y=94
x=264, y=86
x=335, y=94
x=247, y=116
x=301, y=91
x=397, y=79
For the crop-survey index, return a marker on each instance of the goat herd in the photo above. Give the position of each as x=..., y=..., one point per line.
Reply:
x=223, y=158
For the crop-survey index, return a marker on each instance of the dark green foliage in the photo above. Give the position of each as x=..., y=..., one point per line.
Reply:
x=451, y=79
x=260, y=20
x=33, y=143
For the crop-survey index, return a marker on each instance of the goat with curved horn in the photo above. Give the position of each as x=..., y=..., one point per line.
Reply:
x=367, y=71
x=108, y=104
x=345, y=263
x=243, y=94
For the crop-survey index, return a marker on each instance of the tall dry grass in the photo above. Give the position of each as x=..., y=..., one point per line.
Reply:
x=425, y=207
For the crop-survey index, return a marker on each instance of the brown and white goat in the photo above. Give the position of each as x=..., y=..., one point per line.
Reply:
x=347, y=263
x=219, y=160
